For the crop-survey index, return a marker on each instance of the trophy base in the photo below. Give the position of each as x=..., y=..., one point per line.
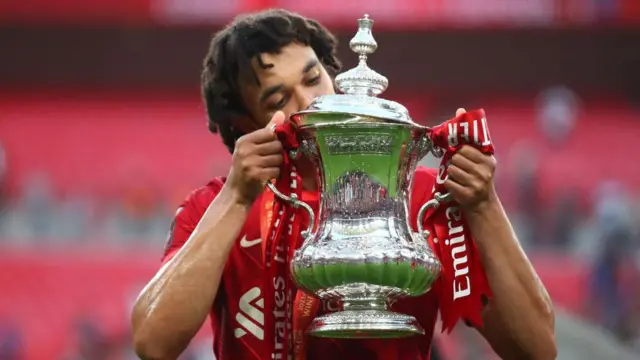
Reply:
x=365, y=324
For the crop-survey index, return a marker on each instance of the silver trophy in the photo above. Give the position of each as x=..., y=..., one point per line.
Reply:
x=364, y=253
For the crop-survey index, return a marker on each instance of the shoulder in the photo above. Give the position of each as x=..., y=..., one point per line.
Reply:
x=192, y=208
x=188, y=215
x=200, y=198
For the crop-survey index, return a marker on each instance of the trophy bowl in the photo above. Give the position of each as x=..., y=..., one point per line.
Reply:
x=363, y=252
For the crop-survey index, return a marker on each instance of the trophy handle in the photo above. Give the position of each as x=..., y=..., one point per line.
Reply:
x=296, y=203
x=433, y=203
x=426, y=145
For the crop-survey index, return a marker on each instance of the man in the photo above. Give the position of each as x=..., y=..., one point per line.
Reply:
x=259, y=70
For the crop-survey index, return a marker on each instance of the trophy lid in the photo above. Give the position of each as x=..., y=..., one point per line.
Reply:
x=361, y=85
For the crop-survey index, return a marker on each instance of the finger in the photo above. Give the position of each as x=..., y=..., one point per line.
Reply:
x=260, y=136
x=460, y=111
x=277, y=119
x=270, y=173
x=458, y=191
x=473, y=154
x=269, y=148
x=267, y=134
x=460, y=176
x=271, y=160
x=462, y=162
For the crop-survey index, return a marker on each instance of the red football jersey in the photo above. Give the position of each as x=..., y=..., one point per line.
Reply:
x=237, y=313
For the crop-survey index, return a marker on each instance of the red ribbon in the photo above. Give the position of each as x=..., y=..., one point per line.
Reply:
x=463, y=283
x=281, y=231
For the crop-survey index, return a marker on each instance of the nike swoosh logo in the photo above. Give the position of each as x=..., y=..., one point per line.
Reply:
x=249, y=243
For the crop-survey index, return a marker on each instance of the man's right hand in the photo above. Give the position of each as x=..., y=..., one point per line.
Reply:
x=257, y=158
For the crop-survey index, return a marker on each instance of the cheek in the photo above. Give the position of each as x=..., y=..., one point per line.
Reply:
x=328, y=88
x=325, y=87
x=328, y=85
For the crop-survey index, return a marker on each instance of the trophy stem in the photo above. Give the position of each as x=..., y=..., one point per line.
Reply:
x=365, y=318
x=364, y=304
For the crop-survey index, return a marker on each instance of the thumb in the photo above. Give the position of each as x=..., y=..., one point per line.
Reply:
x=460, y=111
x=276, y=119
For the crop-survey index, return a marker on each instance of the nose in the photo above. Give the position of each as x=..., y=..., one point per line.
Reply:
x=303, y=98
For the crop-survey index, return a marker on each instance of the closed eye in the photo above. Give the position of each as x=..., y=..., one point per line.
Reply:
x=313, y=81
x=278, y=105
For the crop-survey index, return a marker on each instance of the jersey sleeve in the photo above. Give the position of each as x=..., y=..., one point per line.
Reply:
x=188, y=216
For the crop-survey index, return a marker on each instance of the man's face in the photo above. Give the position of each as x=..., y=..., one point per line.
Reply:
x=290, y=81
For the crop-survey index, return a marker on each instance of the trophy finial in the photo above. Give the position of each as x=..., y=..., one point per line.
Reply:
x=363, y=42
x=361, y=80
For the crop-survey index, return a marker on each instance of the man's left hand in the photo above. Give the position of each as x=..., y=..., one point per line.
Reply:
x=470, y=177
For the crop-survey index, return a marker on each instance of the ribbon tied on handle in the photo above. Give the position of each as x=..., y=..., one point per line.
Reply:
x=462, y=285
x=286, y=319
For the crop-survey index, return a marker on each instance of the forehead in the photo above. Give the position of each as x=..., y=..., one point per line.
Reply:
x=284, y=66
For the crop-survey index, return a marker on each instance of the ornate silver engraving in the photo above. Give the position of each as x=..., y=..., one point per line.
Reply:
x=308, y=148
x=344, y=144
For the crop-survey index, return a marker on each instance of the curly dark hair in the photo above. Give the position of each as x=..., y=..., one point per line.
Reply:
x=232, y=50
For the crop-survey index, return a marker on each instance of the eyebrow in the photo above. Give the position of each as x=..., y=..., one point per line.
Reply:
x=276, y=88
x=309, y=65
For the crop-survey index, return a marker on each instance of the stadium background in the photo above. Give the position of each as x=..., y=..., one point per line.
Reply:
x=102, y=133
